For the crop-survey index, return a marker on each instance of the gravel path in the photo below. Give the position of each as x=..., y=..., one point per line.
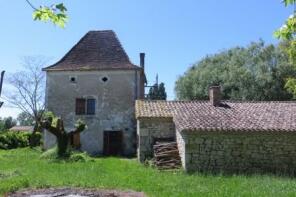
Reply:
x=74, y=192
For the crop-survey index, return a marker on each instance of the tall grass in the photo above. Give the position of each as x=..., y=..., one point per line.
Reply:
x=23, y=168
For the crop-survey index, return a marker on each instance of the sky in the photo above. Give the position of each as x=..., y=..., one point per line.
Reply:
x=174, y=34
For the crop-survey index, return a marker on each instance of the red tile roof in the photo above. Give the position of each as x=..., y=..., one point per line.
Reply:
x=22, y=128
x=232, y=116
x=97, y=50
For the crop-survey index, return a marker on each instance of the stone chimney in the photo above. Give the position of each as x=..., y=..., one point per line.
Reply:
x=215, y=95
x=142, y=60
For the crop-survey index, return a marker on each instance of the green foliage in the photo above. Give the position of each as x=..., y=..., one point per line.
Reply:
x=80, y=157
x=11, y=140
x=50, y=154
x=56, y=14
x=55, y=126
x=288, y=2
x=288, y=33
x=255, y=72
x=288, y=30
x=157, y=92
x=25, y=119
x=7, y=123
x=129, y=174
x=72, y=156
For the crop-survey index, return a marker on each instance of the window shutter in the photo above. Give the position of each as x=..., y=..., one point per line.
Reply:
x=80, y=106
x=91, y=106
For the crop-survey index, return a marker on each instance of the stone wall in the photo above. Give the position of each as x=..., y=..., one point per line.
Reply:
x=239, y=153
x=181, y=146
x=115, y=105
x=149, y=129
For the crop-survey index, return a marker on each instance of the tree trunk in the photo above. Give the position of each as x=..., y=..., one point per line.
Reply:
x=62, y=136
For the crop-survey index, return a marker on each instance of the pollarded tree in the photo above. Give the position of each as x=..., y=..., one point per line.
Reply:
x=56, y=127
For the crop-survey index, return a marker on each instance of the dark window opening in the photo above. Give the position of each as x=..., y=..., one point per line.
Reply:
x=104, y=79
x=73, y=79
x=80, y=106
x=85, y=106
x=91, y=106
x=75, y=140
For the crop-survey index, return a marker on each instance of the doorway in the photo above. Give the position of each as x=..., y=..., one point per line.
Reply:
x=112, y=143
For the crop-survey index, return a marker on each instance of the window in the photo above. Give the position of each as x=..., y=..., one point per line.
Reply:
x=85, y=106
x=80, y=106
x=73, y=79
x=91, y=106
x=104, y=79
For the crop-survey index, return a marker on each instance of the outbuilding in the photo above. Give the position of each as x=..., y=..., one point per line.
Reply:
x=216, y=135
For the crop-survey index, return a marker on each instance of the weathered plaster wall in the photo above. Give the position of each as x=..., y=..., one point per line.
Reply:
x=150, y=128
x=115, y=101
x=239, y=153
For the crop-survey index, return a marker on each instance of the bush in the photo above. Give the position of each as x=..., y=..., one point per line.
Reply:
x=11, y=140
x=71, y=156
x=80, y=157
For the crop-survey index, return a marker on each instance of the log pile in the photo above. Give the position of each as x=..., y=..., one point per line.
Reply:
x=166, y=155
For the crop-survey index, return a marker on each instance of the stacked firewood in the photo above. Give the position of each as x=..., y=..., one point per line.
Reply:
x=166, y=155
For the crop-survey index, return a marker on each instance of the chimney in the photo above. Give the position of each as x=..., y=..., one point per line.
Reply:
x=142, y=60
x=215, y=95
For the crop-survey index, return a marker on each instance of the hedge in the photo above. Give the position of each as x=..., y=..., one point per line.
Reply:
x=12, y=139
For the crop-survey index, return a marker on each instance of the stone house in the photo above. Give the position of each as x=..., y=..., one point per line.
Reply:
x=96, y=82
x=218, y=135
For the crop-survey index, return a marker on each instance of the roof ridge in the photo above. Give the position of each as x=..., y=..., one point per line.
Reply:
x=205, y=101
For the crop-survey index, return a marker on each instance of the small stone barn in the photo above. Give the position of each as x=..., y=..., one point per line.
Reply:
x=215, y=135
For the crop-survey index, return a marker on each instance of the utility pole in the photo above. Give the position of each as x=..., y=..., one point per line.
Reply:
x=1, y=83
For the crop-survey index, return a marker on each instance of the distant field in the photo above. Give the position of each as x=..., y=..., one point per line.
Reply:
x=22, y=168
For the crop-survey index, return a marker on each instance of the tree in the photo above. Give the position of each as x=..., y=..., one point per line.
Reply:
x=287, y=33
x=25, y=119
x=157, y=92
x=27, y=91
x=7, y=123
x=56, y=126
x=255, y=72
x=55, y=13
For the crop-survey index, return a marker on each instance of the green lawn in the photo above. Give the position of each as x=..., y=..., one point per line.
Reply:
x=22, y=168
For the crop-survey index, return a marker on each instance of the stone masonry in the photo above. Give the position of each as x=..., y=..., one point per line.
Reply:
x=150, y=129
x=239, y=153
x=114, y=105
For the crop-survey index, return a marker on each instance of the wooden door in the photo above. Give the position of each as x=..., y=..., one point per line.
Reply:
x=112, y=143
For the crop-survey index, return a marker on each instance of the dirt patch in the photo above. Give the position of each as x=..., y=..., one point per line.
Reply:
x=74, y=192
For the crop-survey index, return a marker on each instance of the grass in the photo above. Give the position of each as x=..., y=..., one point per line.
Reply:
x=23, y=168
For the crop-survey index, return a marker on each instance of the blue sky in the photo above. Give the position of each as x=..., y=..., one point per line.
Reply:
x=174, y=34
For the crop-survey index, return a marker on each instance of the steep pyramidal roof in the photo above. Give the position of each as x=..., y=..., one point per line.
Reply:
x=97, y=50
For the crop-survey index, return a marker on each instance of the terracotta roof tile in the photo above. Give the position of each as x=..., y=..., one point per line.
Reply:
x=21, y=128
x=97, y=50
x=242, y=116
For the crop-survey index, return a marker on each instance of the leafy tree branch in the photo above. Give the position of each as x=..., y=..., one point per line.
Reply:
x=56, y=13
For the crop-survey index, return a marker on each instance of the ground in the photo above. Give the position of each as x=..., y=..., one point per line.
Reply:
x=22, y=168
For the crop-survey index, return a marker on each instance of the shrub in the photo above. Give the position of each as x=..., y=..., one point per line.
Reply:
x=11, y=140
x=71, y=156
x=80, y=157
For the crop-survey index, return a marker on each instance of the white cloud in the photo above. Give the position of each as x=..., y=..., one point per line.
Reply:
x=9, y=111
